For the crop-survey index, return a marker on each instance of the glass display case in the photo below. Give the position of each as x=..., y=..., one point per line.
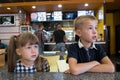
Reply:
x=25, y=28
x=70, y=35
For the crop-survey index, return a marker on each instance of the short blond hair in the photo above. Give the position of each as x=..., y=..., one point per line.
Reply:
x=78, y=22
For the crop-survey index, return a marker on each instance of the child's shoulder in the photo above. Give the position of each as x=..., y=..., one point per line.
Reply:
x=74, y=43
x=42, y=59
x=74, y=46
x=98, y=46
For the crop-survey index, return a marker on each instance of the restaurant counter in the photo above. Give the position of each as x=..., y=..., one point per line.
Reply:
x=53, y=43
x=59, y=76
x=50, y=45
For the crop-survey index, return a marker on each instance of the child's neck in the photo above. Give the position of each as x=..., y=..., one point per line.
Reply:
x=86, y=44
x=27, y=63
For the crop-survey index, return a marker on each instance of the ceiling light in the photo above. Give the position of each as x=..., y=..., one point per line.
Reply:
x=20, y=11
x=8, y=8
x=59, y=5
x=86, y=4
x=33, y=7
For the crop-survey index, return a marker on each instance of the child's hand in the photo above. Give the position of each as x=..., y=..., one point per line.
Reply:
x=96, y=63
x=67, y=71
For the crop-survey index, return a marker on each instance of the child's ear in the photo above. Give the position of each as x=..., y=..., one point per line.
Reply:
x=18, y=52
x=78, y=32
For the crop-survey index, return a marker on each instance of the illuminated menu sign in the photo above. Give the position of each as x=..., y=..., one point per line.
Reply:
x=57, y=15
x=85, y=12
x=38, y=16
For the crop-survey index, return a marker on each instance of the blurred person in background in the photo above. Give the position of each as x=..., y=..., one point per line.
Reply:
x=42, y=39
x=2, y=45
x=59, y=37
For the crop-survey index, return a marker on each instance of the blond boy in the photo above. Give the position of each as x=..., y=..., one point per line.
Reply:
x=85, y=56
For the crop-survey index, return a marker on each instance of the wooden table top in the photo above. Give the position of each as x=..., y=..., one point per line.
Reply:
x=2, y=51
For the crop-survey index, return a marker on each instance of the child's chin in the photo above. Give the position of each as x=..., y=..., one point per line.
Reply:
x=33, y=59
x=93, y=41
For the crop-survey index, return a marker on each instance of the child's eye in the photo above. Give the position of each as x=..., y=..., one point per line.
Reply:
x=90, y=27
x=36, y=46
x=28, y=47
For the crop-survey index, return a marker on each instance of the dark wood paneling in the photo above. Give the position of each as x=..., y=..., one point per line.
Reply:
x=51, y=5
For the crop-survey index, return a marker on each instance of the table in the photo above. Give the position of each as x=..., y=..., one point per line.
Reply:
x=59, y=76
x=2, y=57
x=62, y=65
x=53, y=62
x=2, y=51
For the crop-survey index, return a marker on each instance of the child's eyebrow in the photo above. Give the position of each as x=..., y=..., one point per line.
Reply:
x=90, y=25
x=93, y=25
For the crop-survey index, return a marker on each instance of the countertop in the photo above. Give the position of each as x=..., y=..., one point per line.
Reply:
x=4, y=75
x=59, y=76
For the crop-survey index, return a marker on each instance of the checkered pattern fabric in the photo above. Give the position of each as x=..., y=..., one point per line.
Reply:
x=21, y=68
x=45, y=66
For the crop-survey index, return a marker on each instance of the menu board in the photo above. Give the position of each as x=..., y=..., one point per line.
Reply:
x=38, y=16
x=85, y=12
x=57, y=15
x=69, y=15
x=49, y=16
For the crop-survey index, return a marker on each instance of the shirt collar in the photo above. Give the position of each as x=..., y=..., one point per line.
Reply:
x=81, y=45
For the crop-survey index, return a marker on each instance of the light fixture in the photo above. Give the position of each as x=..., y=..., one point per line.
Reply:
x=59, y=5
x=20, y=11
x=86, y=4
x=33, y=7
x=8, y=8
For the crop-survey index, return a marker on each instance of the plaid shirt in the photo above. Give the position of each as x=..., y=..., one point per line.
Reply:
x=40, y=35
x=21, y=68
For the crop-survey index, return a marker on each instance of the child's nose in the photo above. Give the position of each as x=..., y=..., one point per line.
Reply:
x=94, y=31
x=33, y=50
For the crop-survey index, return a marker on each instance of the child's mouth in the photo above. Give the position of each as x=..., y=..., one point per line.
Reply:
x=33, y=56
x=94, y=37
